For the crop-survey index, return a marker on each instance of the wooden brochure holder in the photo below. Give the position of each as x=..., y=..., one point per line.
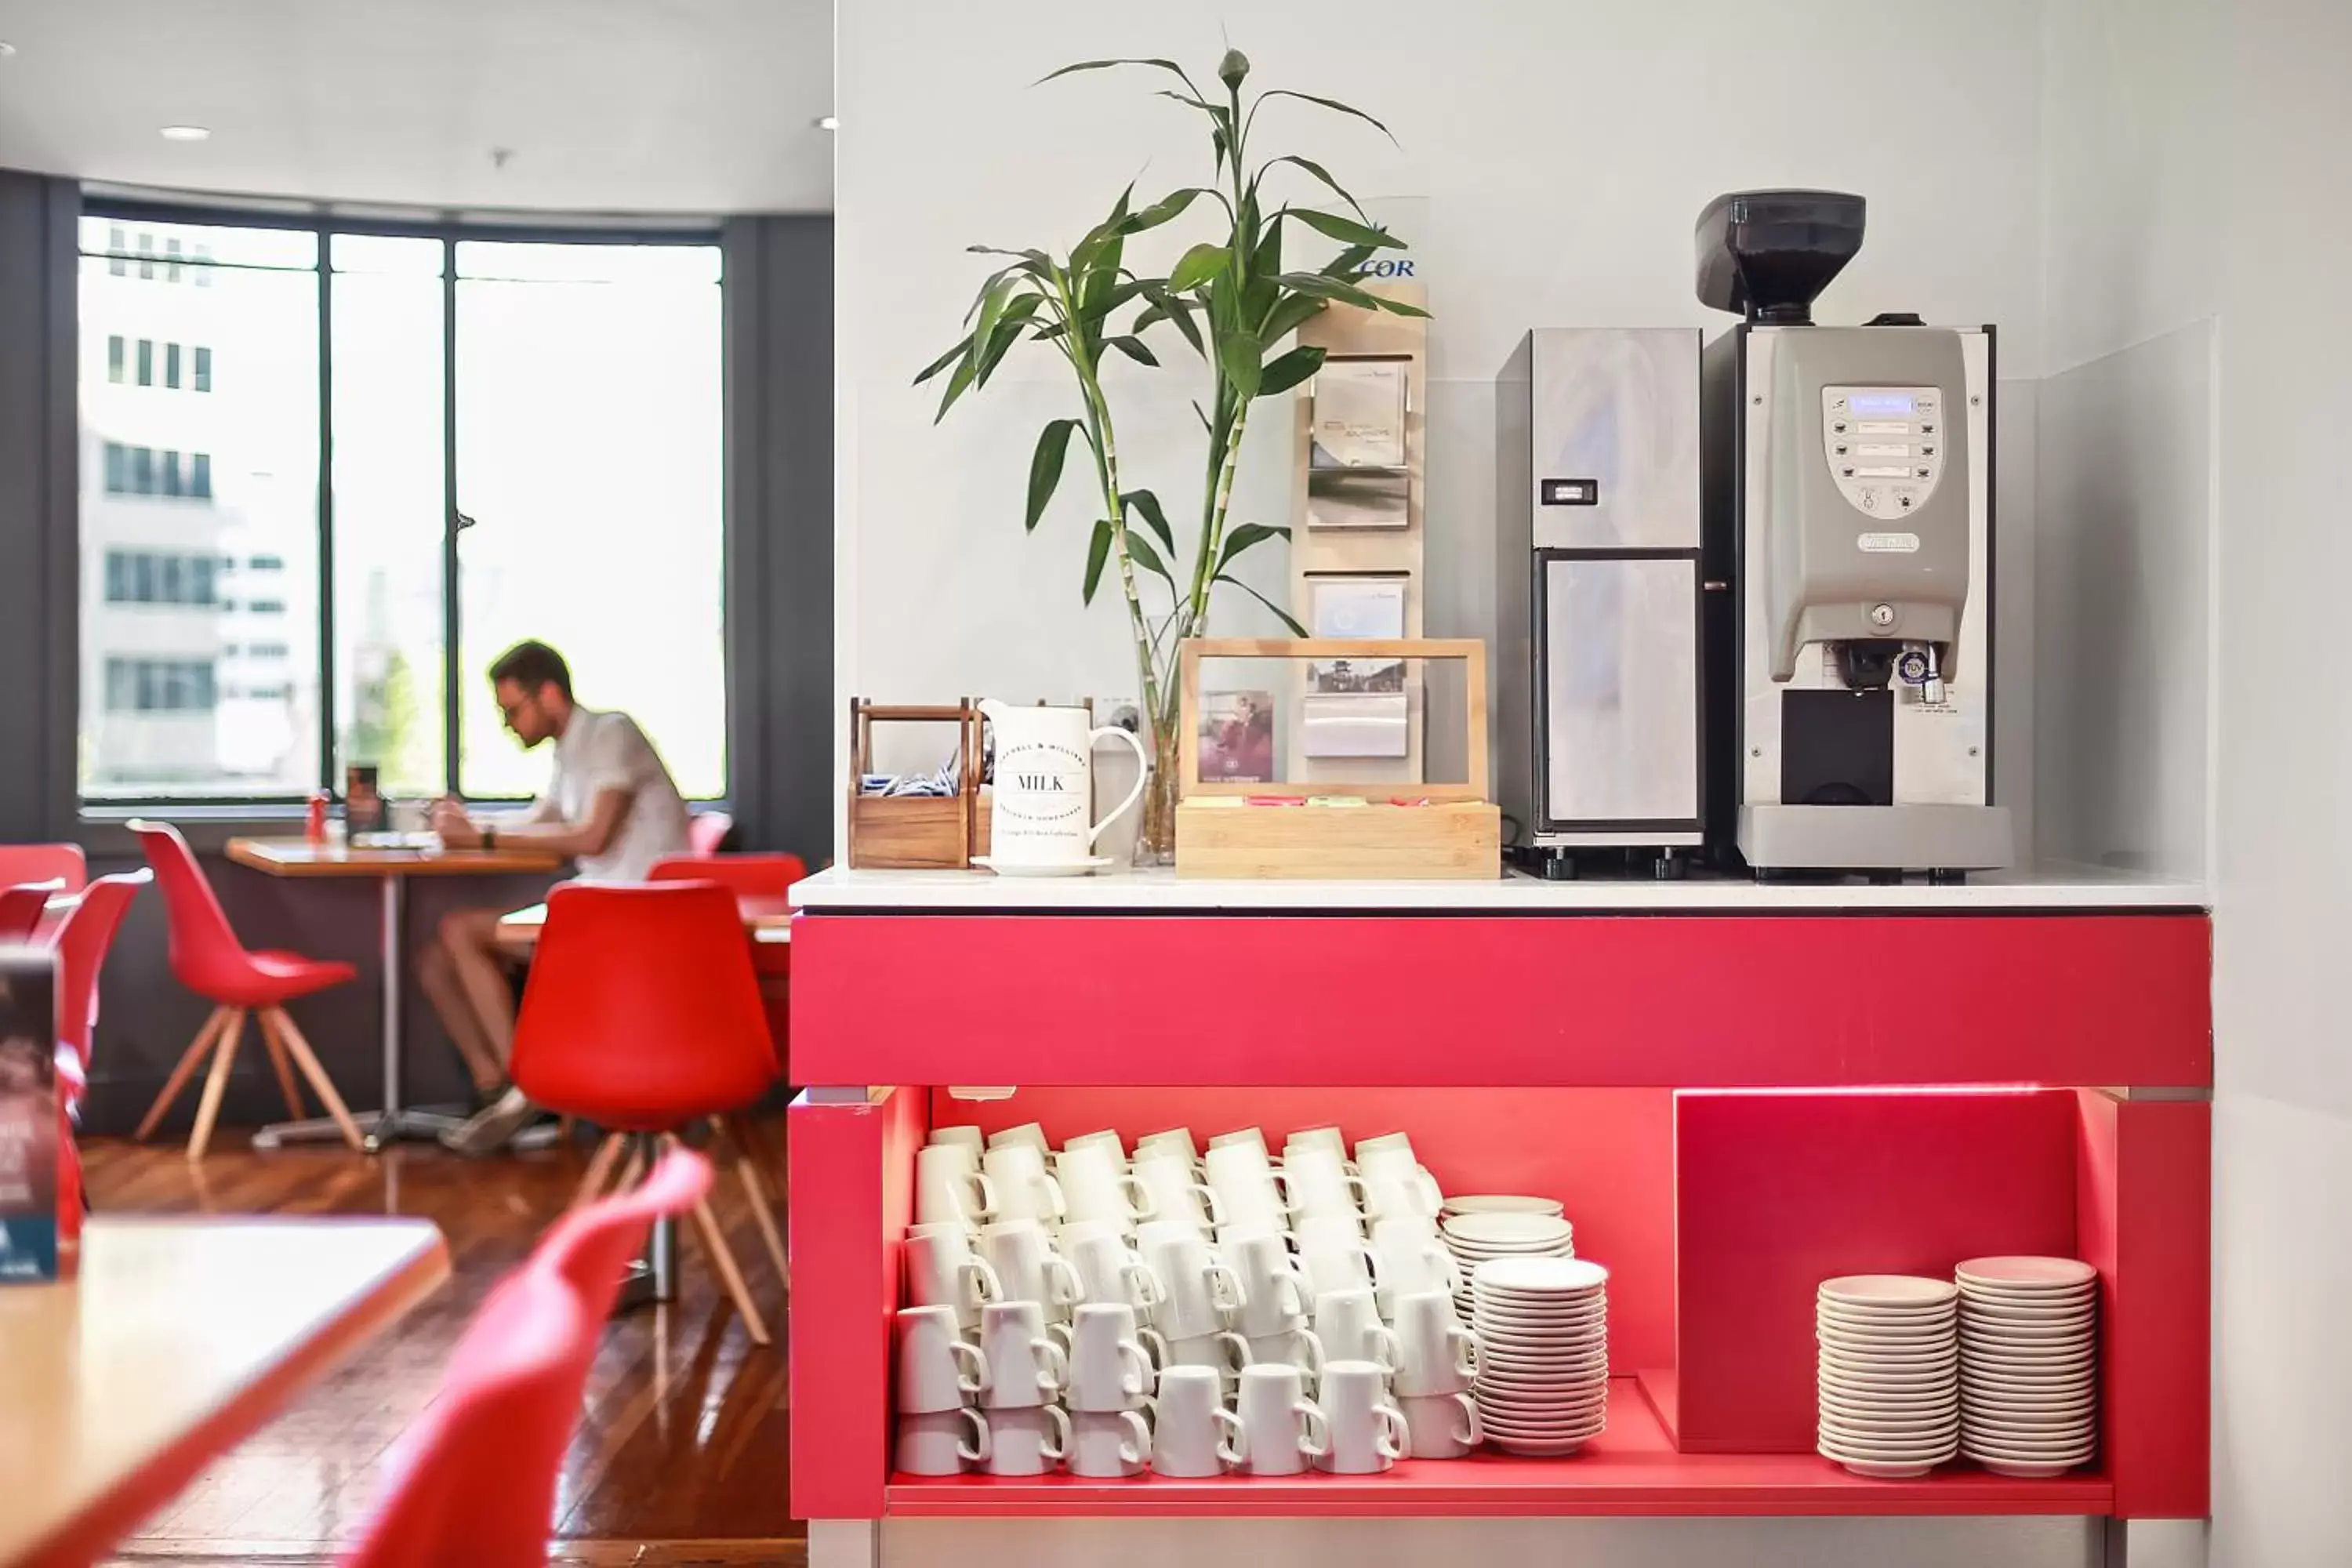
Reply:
x=1457, y=835
x=916, y=832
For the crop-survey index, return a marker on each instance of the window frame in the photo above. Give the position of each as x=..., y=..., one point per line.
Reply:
x=122, y=258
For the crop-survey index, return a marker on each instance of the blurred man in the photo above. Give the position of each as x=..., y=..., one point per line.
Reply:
x=611, y=808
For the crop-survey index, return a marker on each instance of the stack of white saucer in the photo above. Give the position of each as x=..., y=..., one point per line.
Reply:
x=1482, y=1236
x=2029, y=1353
x=1889, y=1383
x=1543, y=1352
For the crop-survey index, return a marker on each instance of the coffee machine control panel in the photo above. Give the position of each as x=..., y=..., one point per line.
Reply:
x=1884, y=445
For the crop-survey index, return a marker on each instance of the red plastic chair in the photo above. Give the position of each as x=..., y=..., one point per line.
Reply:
x=82, y=941
x=44, y=863
x=707, y=830
x=22, y=907
x=765, y=874
x=643, y=1015
x=592, y=1245
x=209, y=961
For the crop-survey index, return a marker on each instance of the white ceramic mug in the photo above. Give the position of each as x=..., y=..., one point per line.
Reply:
x=1177, y=1141
x=1383, y=1142
x=1255, y=1136
x=1438, y=1355
x=1111, y=1270
x=1395, y=1183
x=1200, y=1288
x=1095, y=1184
x=1321, y=1182
x=1349, y=1324
x=1109, y=1443
x=1274, y=1285
x=1108, y=1140
x=1248, y=1187
x=1299, y=1347
x=937, y=1370
x=950, y=1188
x=1193, y=1433
x=1044, y=782
x=1027, y=1441
x=1114, y=1363
x=1283, y=1431
x=1411, y=1260
x=1025, y=1189
x=943, y=1271
x=1226, y=1353
x=1442, y=1426
x=941, y=1443
x=1029, y=1132
x=1336, y=1256
x=1368, y=1433
x=1177, y=1192
x=1315, y=1137
x=966, y=1134
x=1028, y=1268
x=1024, y=1365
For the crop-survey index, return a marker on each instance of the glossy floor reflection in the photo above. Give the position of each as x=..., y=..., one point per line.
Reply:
x=680, y=1456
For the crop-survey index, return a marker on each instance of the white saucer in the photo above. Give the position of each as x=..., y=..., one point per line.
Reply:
x=1502, y=1203
x=1085, y=868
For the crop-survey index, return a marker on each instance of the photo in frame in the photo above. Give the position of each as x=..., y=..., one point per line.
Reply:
x=1237, y=737
x=1356, y=708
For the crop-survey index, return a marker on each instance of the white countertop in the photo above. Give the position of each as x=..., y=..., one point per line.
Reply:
x=1154, y=891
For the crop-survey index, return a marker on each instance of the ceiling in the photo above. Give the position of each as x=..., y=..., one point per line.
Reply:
x=697, y=106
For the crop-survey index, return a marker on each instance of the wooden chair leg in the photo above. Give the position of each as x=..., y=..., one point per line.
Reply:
x=599, y=1169
x=284, y=1068
x=216, y=1084
x=180, y=1074
x=755, y=1188
x=321, y=1084
x=714, y=1246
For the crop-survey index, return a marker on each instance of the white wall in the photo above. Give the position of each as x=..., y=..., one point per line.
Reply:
x=2183, y=190
x=1563, y=152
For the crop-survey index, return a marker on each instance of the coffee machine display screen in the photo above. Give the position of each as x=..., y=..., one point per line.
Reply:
x=1883, y=404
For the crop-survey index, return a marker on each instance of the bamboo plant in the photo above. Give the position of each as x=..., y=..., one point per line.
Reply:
x=1232, y=301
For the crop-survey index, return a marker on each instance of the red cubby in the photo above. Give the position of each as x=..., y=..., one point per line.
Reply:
x=1826, y=1121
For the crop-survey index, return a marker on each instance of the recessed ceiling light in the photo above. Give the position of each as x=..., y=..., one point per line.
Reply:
x=828, y=122
x=185, y=132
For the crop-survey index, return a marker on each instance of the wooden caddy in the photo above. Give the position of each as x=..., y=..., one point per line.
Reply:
x=1458, y=836
x=919, y=833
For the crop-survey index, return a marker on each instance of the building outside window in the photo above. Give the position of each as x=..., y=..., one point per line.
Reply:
x=605, y=344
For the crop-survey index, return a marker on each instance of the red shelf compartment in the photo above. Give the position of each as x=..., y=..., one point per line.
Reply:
x=1629, y=1469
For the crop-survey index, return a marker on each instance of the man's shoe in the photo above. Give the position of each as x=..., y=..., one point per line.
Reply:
x=487, y=1132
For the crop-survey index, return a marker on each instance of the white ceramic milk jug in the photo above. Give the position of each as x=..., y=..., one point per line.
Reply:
x=1044, y=785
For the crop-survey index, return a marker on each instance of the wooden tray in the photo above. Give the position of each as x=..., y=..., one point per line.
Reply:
x=915, y=833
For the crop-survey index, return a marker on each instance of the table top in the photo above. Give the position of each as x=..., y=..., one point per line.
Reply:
x=768, y=917
x=301, y=858
x=178, y=1340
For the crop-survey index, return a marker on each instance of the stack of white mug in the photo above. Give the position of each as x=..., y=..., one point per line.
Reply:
x=1192, y=1312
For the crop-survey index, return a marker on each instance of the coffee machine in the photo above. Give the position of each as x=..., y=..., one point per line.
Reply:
x=1848, y=501
x=1598, y=595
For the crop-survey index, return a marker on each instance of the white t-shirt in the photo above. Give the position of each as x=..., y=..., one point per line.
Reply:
x=599, y=751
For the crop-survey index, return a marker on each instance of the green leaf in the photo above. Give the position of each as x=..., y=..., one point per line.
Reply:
x=1140, y=549
x=991, y=307
x=1095, y=311
x=1133, y=349
x=957, y=383
x=1284, y=616
x=1196, y=266
x=1322, y=288
x=1168, y=207
x=1344, y=265
x=1036, y=263
x=944, y=361
x=1099, y=277
x=1045, y=466
x=1232, y=68
x=1007, y=332
x=1098, y=551
x=1396, y=306
x=1345, y=230
x=1295, y=311
x=1287, y=371
x=1319, y=172
x=1105, y=65
x=1331, y=103
x=1146, y=505
x=1243, y=537
x=1237, y=358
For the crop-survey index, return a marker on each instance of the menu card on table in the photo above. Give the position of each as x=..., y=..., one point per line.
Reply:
x=31, y=1125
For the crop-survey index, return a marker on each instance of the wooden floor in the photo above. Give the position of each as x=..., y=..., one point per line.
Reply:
x=680, y=1454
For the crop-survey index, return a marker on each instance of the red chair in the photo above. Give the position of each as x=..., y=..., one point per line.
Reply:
x=44, y=863
x=757, y=875
x=707, y=830
x=209, y=961
x=643, y=1015
x=82, y=941
x=474, y=1480
x=22, y=907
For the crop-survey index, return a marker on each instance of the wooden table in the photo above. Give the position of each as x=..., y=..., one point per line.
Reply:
x=179, y=1339
x=767, y=919
x=390, y=866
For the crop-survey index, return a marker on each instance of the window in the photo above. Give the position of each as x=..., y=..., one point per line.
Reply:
x=114, y=358
x=608, y=344
x=160, y=685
